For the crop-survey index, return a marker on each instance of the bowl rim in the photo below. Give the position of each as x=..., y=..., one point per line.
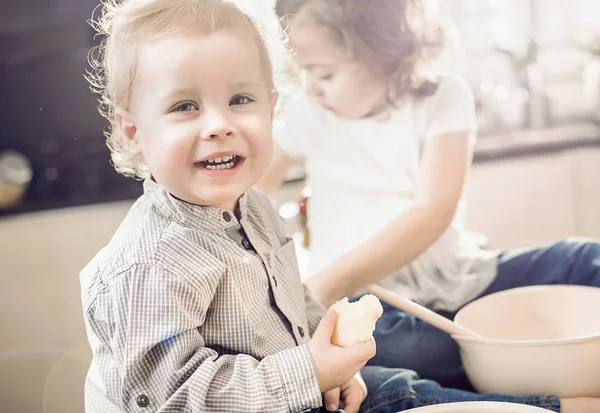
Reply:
x=529, y=343
x=484, y=405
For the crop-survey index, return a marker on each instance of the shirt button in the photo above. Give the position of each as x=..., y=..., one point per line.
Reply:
x=301, y=331
x=143, y=401
x=226, y=216
x=246, y=244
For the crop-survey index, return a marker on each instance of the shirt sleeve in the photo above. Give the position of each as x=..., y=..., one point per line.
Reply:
x=298, y=126
x=450, y=109
x=314, y=311
x=154, y=358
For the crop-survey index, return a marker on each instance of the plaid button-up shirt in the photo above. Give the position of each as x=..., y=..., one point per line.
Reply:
x=193, y=309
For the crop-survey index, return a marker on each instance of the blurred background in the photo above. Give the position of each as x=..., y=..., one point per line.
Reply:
x=534, y=67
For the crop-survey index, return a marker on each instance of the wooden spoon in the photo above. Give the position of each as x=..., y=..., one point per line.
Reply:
x=422, y=313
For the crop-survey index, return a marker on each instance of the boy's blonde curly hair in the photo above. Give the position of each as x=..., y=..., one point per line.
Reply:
x=124, y=23
x=392, y=38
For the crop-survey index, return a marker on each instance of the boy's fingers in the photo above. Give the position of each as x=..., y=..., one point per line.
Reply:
x=331, y=399
x=352, y=401
x=327, y=325
x=361, y=351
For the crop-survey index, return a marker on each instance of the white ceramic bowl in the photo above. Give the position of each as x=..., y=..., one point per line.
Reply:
x=538, y=340
x=479, y=407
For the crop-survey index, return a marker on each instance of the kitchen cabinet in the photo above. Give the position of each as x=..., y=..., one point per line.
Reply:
x=522, y=201
x=536, y=199
x=586, y=190
x=44, y=354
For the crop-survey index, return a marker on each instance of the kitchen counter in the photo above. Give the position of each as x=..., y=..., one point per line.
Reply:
x=523, y=143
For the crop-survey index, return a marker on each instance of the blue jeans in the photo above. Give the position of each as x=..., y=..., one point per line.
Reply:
x=395, y=390
x=409, y=343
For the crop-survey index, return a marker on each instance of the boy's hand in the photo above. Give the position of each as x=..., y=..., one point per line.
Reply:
x=353, y=393
x=336, y=365
x=331, y=399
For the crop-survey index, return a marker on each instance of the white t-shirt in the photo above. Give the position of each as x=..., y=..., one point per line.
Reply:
x=363, y=174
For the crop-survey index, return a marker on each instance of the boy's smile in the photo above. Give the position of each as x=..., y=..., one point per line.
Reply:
x=221, y=164
x=201, y=114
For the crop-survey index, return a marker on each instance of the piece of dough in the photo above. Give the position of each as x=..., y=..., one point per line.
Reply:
x=356, y=321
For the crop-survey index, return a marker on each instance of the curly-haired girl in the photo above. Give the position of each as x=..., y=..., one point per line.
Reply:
x=387, y=144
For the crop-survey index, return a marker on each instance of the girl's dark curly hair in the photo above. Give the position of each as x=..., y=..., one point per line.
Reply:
x=391, y=37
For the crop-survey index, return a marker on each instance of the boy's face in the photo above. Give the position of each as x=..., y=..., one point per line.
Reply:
x=201, y=113
x=343, y=86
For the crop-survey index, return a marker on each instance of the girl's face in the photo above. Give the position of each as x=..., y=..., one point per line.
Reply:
x=338, y=83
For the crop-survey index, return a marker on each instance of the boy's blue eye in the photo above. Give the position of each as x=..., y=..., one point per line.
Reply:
x=326, y=77
x=240, y=100
x=186, y=107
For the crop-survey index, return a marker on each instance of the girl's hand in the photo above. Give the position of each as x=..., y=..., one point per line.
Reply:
x=318, y=286
x=326, y=289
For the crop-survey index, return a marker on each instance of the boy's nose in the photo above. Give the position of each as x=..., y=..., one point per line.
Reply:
x=216, y=134
x=217, y=126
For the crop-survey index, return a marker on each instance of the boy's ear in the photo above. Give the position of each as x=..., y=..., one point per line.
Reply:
x=126, y=124
x=274, y=99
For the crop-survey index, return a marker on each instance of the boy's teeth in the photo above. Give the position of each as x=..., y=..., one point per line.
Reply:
x=222, y=166
x=219, y=160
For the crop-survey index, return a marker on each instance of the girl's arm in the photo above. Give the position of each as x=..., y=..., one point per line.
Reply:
x=277, y=171
x=444, y=164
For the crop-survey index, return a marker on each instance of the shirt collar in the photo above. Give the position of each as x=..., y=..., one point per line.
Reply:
x=191, y=215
